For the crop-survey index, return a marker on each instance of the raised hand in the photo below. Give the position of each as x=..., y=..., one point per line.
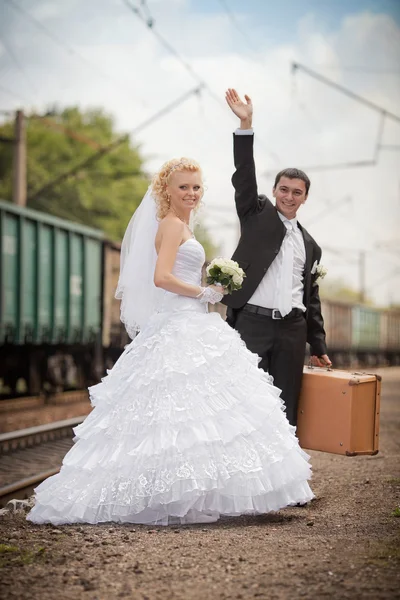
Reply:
x=243, y=110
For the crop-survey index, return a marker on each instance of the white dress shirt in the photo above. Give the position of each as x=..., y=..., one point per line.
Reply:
x=268, y=291
x=244, y=132
x=269, y=288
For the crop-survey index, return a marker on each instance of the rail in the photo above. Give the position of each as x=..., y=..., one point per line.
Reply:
x=34, y=436
x=23, y=489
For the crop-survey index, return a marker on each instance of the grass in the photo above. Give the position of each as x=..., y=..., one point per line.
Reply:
x=396, y=512
x=13, y=556
x=4, y=548
x=393, y=480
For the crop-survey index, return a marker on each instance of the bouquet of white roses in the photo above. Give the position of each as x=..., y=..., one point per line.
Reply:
x=226, y=272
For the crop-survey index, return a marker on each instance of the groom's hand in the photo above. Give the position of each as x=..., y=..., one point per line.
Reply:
x=243, y=110
x=321, y=361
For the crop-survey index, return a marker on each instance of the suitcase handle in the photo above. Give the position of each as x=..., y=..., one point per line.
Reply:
x=311, y=366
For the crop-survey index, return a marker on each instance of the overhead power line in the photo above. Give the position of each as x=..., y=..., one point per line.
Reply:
x=389, y=246
x=149, y=22
x=377, y=71
x=343, y=90
x=146, y=9
x=378, y=145
x=80, y=137
x=18, y=64
x=261, y=61
x=389, y=147
x=336, y=167
x=11, y=93
x=328, y=210
x=64, y=45
x=388, y=277
x=236, y=24
x=106, y=149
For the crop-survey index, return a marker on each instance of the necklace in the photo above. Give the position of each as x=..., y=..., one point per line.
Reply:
x=180, y=218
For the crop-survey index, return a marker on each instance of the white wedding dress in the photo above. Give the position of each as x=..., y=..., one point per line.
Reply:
x=185, y=428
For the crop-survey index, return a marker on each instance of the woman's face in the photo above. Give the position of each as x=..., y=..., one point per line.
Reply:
x=185, y=189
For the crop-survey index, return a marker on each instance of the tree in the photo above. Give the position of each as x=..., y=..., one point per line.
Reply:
x=204, y=238
x=104, y=194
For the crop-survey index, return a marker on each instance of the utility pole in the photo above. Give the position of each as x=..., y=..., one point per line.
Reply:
x=19, y=160
x=361, y=266
x=359, y=260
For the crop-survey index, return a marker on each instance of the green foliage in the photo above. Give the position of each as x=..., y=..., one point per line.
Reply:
x=336, y=289
x=4, y=548
x=394, y=480
x=12, y=556
x=203, y=237
x=103, y=195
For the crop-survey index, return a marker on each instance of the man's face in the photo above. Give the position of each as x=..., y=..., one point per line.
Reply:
x=289, y=194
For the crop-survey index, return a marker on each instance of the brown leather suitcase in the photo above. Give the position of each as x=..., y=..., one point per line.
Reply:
x=339, y=411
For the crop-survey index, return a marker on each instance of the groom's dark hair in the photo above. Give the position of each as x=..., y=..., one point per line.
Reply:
x=293, y=174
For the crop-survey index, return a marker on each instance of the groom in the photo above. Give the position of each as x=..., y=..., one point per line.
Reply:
x=278, y=308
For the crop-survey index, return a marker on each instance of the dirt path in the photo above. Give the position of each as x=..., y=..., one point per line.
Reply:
x=346, y=544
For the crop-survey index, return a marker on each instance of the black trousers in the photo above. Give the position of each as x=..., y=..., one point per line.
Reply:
x=281, y=345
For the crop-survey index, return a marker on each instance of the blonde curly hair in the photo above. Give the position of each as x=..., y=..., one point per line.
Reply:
x=161, y=180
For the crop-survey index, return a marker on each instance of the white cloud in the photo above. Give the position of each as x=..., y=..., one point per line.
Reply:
x=306, y=125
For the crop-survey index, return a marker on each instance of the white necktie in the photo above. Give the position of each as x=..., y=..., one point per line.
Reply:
x=285, y=293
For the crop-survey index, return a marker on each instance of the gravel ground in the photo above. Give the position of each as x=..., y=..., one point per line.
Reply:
x=345, y=544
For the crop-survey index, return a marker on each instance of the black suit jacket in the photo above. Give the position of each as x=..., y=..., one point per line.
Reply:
x=262, y=233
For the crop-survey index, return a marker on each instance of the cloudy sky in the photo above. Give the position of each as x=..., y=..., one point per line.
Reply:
x=103, y=53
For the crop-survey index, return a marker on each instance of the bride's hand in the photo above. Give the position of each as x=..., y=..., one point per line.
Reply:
x=211, y=294
x=219, y=288
x=241, y=109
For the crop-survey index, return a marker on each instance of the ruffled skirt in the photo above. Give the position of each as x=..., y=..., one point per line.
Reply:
x=185, y=428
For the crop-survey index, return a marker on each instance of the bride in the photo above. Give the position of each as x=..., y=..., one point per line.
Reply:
x=185, y=426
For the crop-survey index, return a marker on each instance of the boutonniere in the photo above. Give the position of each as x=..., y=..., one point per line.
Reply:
x=319, y=271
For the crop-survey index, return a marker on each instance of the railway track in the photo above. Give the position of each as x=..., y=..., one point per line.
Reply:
x=29, y=456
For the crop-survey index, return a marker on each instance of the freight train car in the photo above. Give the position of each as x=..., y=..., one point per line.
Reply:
x=114, y=333
x=361, y=335
x=60, y=323
x=337, y=321
x=390, y=336
x=366, y=334
x=357, y=336
x=50, y=303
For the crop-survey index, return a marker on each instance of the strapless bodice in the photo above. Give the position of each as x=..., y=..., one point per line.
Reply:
x=188, y=267
x=189, y=261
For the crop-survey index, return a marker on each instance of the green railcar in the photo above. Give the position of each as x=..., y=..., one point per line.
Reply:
x=50, y=277
x=366, y=328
